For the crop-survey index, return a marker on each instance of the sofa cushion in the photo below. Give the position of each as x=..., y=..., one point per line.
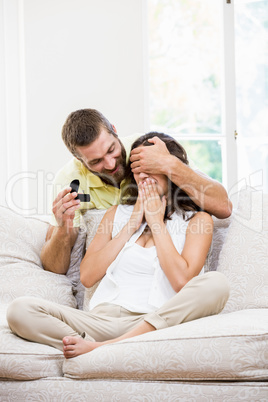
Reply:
x=73, y=273
x=244, y=256
x=222, y=347
x=21, y=271
x=91, y=221
x=21, y=238
x=22, y=278
x=220, y=230
x=22, y=360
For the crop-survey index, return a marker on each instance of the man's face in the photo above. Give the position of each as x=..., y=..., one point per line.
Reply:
x=106, y=157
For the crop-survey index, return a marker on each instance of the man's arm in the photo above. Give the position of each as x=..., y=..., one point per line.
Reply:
x=56, y=252
x=207, y=193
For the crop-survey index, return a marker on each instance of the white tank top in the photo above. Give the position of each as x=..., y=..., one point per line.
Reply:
x=135, y=279
x=134, y=276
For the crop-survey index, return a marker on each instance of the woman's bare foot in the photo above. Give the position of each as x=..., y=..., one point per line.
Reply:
x=74, y=346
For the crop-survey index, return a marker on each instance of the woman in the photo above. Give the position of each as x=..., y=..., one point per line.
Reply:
x=147, y=254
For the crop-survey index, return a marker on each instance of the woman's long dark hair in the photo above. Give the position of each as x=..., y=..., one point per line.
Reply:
x=178, y=200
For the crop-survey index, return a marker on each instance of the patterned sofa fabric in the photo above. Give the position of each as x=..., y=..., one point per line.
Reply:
x=244, y=256
x=91, y=219
x=67, y=390
x=22, y=360
x=21, y=271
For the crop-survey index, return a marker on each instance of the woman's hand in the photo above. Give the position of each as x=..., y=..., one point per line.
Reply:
x=138, y=211
x=154, y=206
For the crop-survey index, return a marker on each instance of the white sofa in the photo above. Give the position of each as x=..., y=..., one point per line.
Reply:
x=217, y=358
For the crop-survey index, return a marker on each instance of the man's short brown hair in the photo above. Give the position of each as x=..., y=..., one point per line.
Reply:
x=82, y=127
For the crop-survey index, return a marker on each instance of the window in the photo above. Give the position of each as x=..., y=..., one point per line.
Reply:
x=192, y=82
x=185, y=82
x=251, y=41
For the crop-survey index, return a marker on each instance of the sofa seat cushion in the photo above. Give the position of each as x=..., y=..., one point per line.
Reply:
x=217, y=348
x=23, y=360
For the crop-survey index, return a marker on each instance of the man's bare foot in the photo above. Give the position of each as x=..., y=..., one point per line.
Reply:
x=74, y=346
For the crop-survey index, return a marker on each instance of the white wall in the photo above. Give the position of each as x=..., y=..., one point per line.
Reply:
x=58, y=56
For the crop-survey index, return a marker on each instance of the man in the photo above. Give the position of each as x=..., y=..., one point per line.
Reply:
x=99, y=164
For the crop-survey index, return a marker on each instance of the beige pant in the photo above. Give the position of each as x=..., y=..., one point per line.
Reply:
x=45, y=322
